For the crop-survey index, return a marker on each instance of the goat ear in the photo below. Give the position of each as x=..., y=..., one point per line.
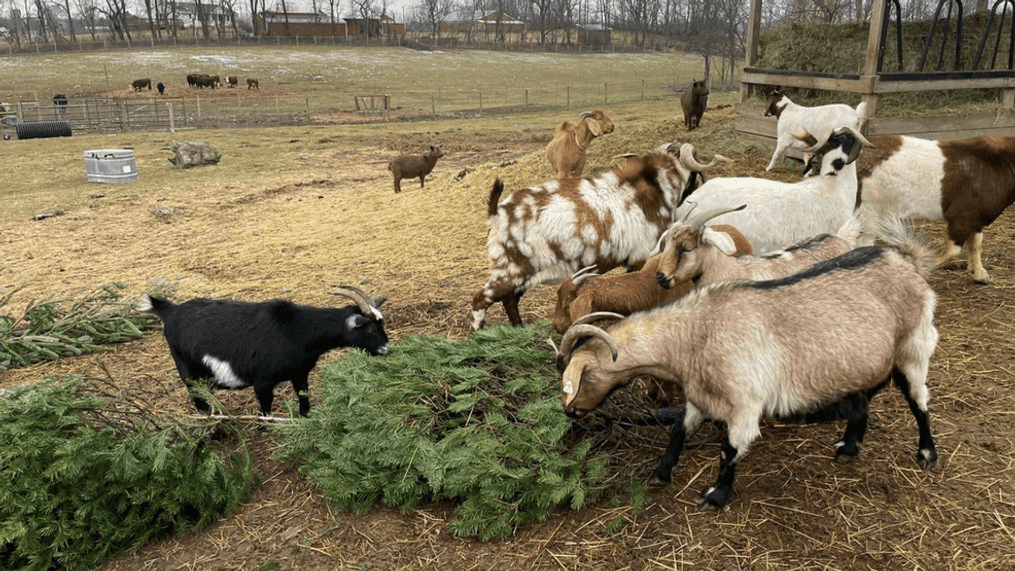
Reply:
x=595, y=128
x=720, y=240
x=355, y=320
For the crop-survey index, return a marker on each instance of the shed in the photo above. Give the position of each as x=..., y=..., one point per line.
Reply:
x=876, y=80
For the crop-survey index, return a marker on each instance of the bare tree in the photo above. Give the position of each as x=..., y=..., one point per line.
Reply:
x=434, y=13
x=542, y=10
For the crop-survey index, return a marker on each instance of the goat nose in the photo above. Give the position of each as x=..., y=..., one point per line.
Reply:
x=662, y=281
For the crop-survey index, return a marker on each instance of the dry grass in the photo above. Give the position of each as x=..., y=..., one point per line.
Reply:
x=292, y=212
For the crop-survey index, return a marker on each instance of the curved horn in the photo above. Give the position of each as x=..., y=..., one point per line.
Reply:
x=596, y=316
x=857, y=135
x=360, y=297
x=687, y=214
x=583, y=274
x=584, y=114
x=577, y=332
x=699, y=221
x=687, y=159
x=624, y=156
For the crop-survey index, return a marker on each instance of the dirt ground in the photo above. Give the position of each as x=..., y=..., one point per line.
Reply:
x=793, y=508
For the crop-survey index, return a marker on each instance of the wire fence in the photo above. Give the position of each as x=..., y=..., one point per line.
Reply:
x=92, y=114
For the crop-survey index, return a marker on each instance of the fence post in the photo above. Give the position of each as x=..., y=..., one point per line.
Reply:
x=433, y=106
x=308, y=108
x=606, y=93
x=198, y=106
x=526, y=97
x=643, y=90
x=172, y=122
x=568, y=96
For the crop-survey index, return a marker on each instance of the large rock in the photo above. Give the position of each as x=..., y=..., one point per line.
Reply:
x=192, y=154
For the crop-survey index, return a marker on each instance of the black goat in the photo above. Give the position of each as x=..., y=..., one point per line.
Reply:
x=242, y=344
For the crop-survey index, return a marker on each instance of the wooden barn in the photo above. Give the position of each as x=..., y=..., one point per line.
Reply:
x=319, y=24
x=879, y=79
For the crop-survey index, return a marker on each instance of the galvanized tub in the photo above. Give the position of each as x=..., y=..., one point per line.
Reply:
x=110, y=165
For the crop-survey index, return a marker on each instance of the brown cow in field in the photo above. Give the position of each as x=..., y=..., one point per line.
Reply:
x=232, y=80
x=139, y=84
x=253, y=84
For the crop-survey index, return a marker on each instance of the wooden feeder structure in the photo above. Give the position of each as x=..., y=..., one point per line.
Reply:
x=875, y=80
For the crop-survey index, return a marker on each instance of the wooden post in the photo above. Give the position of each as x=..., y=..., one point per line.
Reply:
x=870, y=66
x=568, y=96
x=753, y=38
x=172, y=121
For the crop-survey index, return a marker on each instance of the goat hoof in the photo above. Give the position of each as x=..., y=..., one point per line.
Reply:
x=927, y=458
x=660, y=476
x=713, y=499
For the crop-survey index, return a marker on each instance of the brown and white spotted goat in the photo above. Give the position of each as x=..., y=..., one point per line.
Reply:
x=545, y=233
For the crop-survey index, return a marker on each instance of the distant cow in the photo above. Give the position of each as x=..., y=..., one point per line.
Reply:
x=694, y=101
x=253, y=84
x=161, y=88
x=204, y=80
x=232, y=80
x=139, y=84
x=60, y=102
x=192, y=79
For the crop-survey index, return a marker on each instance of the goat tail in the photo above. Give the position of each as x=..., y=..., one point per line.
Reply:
x=149, y=304
x=495, y=192
x=894, y=231
x=851, y=230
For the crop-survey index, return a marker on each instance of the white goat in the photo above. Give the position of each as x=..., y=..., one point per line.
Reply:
x=780, y=214
x=745, y=350
x=545, y=233
x=819, y=121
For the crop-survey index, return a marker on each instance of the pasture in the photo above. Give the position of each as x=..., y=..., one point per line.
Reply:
x=293, y=211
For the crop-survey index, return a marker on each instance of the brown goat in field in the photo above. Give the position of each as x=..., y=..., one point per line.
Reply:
x=253, y=84
x=585, y=293
x=566, y=151
x=412, y=166
x=694, y=101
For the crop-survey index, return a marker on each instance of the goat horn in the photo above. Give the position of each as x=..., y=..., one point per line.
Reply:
x=577, y=332
x=624, y=156
x=689, y=211
x=584, y=114
x=596, y=316
x=687, y=159
x=699, y=221
x=583, y=274
x=360, y=297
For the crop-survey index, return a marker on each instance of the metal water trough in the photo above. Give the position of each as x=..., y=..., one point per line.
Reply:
x=42, y=129
x=110, y=165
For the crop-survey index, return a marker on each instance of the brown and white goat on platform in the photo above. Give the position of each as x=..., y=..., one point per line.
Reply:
x=967, y=183
x=545, y=233
x=566, y=151
x=742, y=351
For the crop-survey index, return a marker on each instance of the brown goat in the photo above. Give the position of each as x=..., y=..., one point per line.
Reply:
x=582, y=294
x=694, y=101
x=412, y=166
x=566, y=151
x=253, y=84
